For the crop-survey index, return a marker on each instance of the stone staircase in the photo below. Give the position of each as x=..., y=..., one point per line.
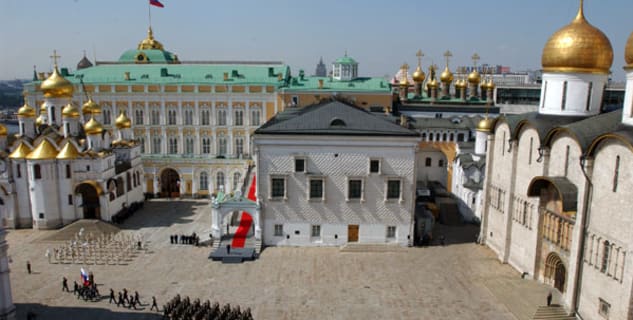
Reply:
x=372, y=247
x=553, y=312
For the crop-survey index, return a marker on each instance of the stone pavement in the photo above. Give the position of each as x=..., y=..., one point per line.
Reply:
x=456, y=281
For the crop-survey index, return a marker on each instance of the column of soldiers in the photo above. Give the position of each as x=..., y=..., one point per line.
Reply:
x=103, y=249
x=192, y=239
x=184, y=309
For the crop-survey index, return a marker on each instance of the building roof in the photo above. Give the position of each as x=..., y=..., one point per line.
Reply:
x=332, y=118
x=333, y=85
x=464, y=122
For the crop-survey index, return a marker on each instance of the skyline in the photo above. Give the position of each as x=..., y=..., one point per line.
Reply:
x=380, y=36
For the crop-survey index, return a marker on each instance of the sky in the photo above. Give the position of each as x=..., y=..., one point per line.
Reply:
x=380, y=35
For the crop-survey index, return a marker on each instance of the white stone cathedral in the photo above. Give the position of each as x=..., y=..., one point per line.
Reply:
x=558, y=181
x=57, y=170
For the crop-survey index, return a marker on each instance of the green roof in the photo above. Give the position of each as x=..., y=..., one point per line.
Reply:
x=150, y=56
x=345, y=60
x=333, y=85
x=192, y=73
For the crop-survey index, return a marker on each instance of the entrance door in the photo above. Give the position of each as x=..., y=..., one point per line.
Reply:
x=559, y=279
x=352, y=233
x=90, y=198
x=170, y=183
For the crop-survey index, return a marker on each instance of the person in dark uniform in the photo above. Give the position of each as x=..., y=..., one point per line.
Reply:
x=120, y=301
x=549, y=299
x=28, y=266
x=137, y=297
x=112, y=296
x=125, y=298
x=228, y=249
x=154, y=304
x=65, y=284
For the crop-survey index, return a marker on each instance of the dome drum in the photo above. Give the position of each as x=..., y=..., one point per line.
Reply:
x=576, y=94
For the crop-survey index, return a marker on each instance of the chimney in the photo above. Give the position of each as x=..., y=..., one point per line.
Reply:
x=271, y=72
x=126, y=75
x=226, y=76
x=320, y=83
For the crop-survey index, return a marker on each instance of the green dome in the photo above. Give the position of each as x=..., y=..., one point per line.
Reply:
x=148, y=56
x=346, y=60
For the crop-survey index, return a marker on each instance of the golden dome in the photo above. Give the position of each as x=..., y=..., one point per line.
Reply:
x=44, y=151
x=578, y=47
x=68, y=152
x=20, y=152
x=70, y=111
x=460, y=84
x=628, y=52
x=474, y=77
x=3, y=131
x=123, y=122
x=93, y=127
x=57, y=86
x=418, y=75
x=43, y=108
x=39, y=121
x=90, y=107
x=150, y=43
x=26, y=111
x=490, y=85
x=486, y=125
x=446, y=76
x=432, y=84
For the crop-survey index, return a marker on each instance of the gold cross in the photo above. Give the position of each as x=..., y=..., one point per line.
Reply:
x=448, y=54
x=419, y=54
x=55, y=56
x=475, y=58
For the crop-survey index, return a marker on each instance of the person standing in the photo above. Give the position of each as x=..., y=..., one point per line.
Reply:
x=65, y=284
x=549, y=299
x=28, y=266
x=112, y=296
x=154, y=304
x=137, y=297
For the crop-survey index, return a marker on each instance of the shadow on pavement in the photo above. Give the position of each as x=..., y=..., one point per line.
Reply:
x=162, y=213
x=51, y=312
x=465, y=233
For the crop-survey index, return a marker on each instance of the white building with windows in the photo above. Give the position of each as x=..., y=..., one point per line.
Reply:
x=558, y=181
x=331, y=173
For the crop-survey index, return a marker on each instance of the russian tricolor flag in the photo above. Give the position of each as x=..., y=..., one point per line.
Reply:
x=156, y=3
x=84, y=277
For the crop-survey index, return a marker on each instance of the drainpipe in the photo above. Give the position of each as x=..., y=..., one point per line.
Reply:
x=585, y=163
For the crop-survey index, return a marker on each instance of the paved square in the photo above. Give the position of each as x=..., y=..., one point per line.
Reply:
x=457, y=281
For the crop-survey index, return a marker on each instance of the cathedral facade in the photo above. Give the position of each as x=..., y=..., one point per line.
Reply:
x=558, y=181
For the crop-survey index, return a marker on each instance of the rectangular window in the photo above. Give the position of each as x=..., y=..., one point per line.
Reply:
x=374, y=166
x=68, y=173
x=300, y=165
x=255, y=118
x=278, y=188
x=604, y=308
x=316, y=189
x=316, y=231
x=279, y=230
x=19, y=171
x=355, y=189
x=37, y=171
x=70, y=199
x=427, y=162
x=589, y=96
x=239, y=118
x=564, y=96
x=393, y=189
x=391, y=232
x=530, y=151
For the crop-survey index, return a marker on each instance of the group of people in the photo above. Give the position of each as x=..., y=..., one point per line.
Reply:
x=129, y=300
x=87, y=290
x=192, y=239
x=184, y=309
x=103, y=249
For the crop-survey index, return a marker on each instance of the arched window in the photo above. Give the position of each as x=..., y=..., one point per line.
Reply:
x=129, y=182
x=236, y=180
x=119, y=187
x=444, y=137
x=37, y=171
x=239, y=118
x=138, y=117
x=222, y=146
x=204, y=181
x=616, y=174
x=427, y=162
x=424, y=136
x=566, y=160
x=220, y=180
x=606, y=250
x=452, y=137
x=239, y=146
x=431, y=136
x=206, y=145
x=221, y=117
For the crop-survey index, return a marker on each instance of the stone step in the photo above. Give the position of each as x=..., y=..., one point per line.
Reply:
x=371, y=247
x=552, y=313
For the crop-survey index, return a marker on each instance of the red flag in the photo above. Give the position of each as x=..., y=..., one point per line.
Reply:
x=156, y=3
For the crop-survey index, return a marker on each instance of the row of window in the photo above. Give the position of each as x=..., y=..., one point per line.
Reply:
x=173, y=142
x=460, y=137
x=204, y=180
x=315, y=231
x=605, y=256
x=375, y=165
x=563, y=103
x=188, y=117
x=316, y=188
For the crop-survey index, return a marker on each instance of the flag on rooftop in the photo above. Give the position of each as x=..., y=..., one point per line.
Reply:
x=156, y=3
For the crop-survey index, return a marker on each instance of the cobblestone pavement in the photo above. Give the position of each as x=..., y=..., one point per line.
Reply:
x=456, y=281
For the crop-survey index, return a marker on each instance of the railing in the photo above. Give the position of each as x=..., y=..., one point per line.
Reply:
x=557, y=228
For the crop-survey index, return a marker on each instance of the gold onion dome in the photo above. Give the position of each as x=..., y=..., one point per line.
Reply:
x=474, y=77
x=90, y=107
x=93, y=127
x=70, y=111
x=43, y=108
x=150, y=43
x=68, y=152
x=578, y=47
x=123, y=122
x=39, y=121
x=628, y=52
x=44, y=151
x=432, y=84
x=460, y=84
x=56, y=86
x=486, y=125
x=3, y=131
x=20, y=152
x=26, y=111
x=404, y=82
x=418, y=75
x=446, y=76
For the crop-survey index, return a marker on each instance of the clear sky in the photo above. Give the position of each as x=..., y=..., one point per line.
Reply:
x=381, y=35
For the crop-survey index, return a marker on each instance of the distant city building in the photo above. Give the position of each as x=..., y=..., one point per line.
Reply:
x=321, y=70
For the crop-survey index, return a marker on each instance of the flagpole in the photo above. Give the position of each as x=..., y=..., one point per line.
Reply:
x=149, y=13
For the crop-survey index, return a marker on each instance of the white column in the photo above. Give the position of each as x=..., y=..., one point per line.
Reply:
x=7, y=309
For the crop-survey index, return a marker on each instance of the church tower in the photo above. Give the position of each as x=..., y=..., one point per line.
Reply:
x=26, y=120
x=321, y=71
x=70, y=120
x=627, y=113
x=57, y=92
x=576, y=62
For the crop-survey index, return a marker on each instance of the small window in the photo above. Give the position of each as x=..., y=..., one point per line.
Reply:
x=70, y=199
x=295, y=100
x=41, y=215
x=87, y=168
x=278, y=188
x=37, y=171
x=19, y=171
x=440, y=163
x=616, y=174
x=605, y=307
x=391, y=232
x=316, y=188
x=427, y=162
x=393, y=189
x=374, y=166
x=300, y=165
x=355, y=189
x=316, y=231
x=68, y=173
x=279, y=230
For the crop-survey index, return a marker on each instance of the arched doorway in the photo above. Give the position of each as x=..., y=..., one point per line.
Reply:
x=169, y=183
x=89, y=192
x=555, y=272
